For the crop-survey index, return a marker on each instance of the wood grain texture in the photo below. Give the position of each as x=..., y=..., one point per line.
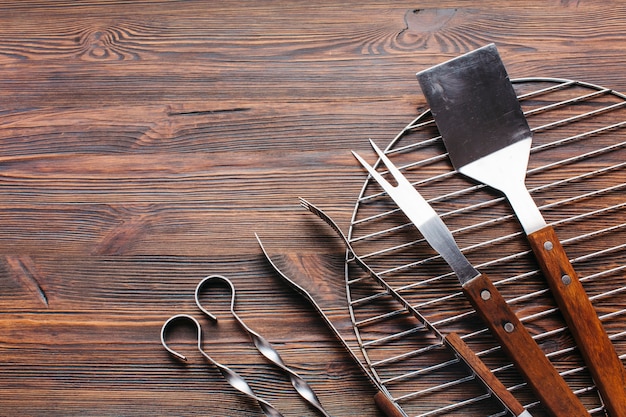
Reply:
x=143, y=143
x=529, y=359
x=582, y=319
x=486, y=374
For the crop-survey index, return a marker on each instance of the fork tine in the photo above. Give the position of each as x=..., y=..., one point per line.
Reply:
x=393, y=170
x=386, y=185
x=406, y=197
x=370, y=170
x=400, y=179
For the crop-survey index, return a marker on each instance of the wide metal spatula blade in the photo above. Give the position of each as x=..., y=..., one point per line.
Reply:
x=465, y=114
x=488, y=139
x=483, y=126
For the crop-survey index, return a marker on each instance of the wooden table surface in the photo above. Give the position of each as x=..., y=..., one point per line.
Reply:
x=143, y=143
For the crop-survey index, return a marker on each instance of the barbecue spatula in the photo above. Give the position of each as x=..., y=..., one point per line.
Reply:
x=488, y=139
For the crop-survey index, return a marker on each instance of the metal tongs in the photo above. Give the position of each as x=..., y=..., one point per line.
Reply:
x=463, y=352
x=383, y=398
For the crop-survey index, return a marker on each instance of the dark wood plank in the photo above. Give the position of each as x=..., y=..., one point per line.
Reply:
x=143, y=143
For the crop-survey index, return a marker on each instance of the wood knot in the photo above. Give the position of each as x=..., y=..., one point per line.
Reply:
x=104, y=44
x=446, y=27
x=427, y=20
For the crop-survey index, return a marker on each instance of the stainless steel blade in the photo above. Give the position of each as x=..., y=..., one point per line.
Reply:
x=483, y=126
x=423, y=217
x=455, y=91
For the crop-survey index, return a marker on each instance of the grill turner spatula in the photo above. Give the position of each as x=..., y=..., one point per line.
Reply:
x=488, y=139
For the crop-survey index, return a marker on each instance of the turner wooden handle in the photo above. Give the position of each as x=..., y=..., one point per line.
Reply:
x=530, y=360
x=595, y=346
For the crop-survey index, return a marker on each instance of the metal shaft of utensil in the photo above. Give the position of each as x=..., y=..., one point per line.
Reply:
x=383, y=398
x=530, y=360
x=233, y=378
x=451, y=340
x=265, y=348
x=488, y=139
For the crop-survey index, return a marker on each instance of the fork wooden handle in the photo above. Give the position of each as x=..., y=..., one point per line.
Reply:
x=595, y=346
x=530, y=360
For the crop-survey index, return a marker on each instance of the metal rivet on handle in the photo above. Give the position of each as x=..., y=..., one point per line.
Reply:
x=485, y=295
x=509, y=327
x=548, y=245
x=566, y=279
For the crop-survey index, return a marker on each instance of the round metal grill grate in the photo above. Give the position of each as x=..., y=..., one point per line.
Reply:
x=576, y=175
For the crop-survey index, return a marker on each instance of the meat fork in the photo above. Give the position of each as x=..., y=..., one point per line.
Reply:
x=521, y=348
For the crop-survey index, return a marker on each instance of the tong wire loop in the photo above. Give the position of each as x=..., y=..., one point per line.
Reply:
x=263, y=346
x=233, y=378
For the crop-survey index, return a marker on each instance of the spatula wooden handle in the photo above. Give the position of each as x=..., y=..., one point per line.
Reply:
x=595, y=346
x=530, y=360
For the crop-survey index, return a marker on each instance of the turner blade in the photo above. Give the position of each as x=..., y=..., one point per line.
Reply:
x=474, y=105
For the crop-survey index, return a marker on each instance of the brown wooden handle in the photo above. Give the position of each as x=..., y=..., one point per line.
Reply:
x=388, y=407
x=595, y=346
x=530, y=360
x=484, y=373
